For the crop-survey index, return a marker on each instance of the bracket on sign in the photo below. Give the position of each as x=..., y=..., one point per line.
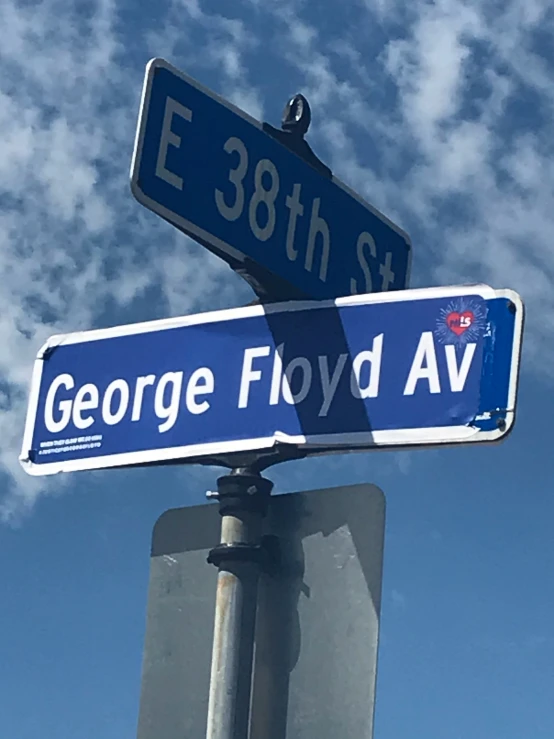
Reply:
x=296, y=120
x=257, y=461
x=294, y=126
x=268, y=287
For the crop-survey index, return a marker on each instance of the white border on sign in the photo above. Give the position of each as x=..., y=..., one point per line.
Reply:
x=183, y=223
x=516, y=355
x=313, y=445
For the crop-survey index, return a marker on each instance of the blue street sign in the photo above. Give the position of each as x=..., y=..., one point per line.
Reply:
x=213, y=172
x=414, y=368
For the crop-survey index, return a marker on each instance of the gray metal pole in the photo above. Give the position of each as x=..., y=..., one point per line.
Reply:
x=243, y=497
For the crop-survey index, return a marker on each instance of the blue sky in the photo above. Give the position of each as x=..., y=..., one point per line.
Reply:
x=440, y=115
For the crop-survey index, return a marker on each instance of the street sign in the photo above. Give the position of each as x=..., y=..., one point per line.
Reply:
x=412, y=368
x=317, y=624
x=212, y=171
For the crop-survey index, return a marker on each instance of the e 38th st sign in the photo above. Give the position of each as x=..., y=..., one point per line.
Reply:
x=216, y=174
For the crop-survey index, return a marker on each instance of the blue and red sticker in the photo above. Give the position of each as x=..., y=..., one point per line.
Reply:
x=462, y=322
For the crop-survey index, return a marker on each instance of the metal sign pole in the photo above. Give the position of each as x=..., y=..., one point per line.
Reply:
x=243, y=497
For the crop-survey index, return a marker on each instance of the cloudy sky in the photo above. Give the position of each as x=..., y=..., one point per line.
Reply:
x=440, y=114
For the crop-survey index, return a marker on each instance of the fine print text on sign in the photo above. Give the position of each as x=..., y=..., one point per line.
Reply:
x=421, y=367
x=211, y=170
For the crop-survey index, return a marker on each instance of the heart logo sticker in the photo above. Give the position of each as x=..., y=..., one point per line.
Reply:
x=460, y=322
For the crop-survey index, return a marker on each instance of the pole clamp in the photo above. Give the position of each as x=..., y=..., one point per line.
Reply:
x=267, y=554
x=242, y=490
x=237, y=553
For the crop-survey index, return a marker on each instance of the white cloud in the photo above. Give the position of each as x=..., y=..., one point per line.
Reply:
x=218, y=43
x=432, y=61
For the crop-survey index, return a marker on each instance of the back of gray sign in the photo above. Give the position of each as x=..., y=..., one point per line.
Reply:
x=317, y=624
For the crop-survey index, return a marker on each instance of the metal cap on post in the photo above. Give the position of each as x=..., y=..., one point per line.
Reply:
x=243, y=497
x=297, y=116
